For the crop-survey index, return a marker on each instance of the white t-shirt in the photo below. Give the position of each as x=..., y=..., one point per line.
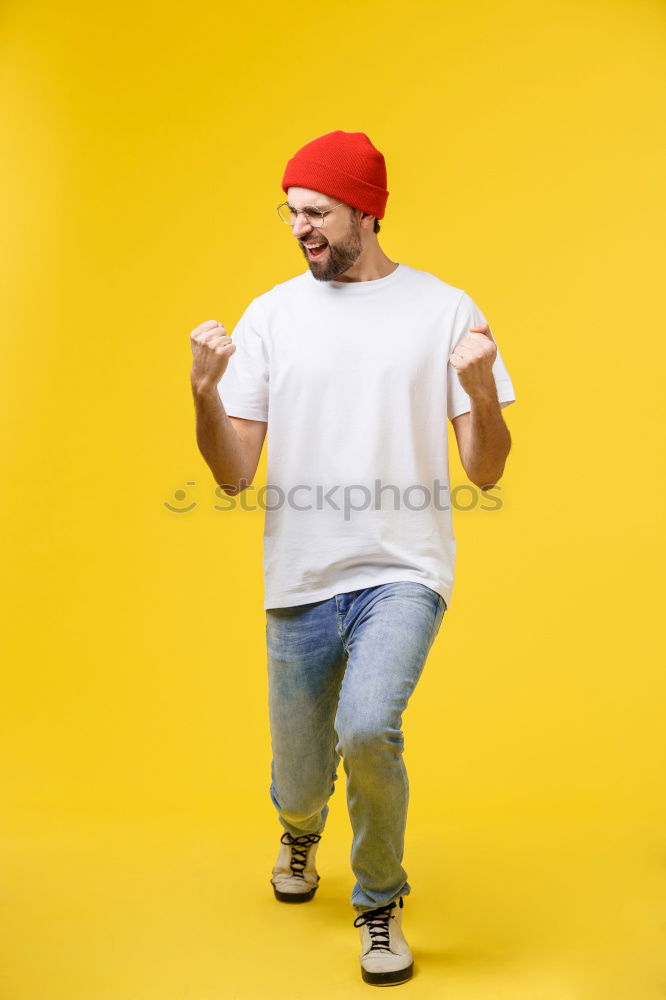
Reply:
x=354, y=381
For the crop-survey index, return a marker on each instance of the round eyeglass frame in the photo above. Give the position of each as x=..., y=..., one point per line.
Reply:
x=316, y=225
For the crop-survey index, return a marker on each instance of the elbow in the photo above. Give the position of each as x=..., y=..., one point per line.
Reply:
x=487, y=481
x=488, y=477
x=235, y=488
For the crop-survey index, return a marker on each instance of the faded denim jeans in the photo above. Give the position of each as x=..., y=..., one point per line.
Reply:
x=340, y=673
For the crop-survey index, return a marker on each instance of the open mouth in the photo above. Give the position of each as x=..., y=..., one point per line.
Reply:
x=316, y=250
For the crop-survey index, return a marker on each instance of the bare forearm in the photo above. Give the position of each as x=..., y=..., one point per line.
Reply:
x=218, y=442
x=490, y=441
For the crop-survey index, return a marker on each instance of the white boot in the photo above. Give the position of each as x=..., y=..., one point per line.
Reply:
x=385, y=956
x=294, y=877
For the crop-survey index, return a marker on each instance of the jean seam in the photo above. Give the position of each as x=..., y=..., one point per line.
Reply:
x=341, y=625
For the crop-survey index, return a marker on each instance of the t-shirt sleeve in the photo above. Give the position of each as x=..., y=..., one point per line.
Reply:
x=243, y=388
x=467, y=315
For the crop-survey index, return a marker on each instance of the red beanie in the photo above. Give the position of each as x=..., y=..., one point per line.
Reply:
x=343, y=165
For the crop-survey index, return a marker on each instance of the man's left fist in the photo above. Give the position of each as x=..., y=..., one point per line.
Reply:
x=473, y=360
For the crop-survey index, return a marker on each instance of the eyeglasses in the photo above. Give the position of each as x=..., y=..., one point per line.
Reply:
x=315, y=216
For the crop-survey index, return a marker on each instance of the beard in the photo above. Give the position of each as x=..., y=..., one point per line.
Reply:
x=339, y=257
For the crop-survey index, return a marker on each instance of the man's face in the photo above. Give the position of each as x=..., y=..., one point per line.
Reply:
x=340, y=234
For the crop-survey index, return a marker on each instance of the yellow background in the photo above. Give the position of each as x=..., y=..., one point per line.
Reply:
x=142, y=150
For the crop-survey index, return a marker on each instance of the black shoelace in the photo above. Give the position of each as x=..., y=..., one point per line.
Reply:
x=299, y=850
x=377, y=922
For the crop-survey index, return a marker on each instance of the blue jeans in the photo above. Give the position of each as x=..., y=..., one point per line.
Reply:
x=340, y=673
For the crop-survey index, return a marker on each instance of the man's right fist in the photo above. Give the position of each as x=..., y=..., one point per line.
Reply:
x=211, y=350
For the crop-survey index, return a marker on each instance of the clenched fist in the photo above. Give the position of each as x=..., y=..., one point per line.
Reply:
x=473, y=360
x=211, y=350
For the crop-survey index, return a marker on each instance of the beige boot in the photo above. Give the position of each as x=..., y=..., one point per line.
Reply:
x=385, y=956
x=294, y=877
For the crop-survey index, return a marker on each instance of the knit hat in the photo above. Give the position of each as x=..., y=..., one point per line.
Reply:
x=343, y=165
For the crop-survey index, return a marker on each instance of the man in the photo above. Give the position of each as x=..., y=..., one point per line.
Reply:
x=353, y=367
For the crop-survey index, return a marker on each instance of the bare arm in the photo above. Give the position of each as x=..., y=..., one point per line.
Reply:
x=483, y=438
x=231, y=446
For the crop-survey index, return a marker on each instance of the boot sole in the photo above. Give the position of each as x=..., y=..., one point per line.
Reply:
x=294, y=897
x=388, y=978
